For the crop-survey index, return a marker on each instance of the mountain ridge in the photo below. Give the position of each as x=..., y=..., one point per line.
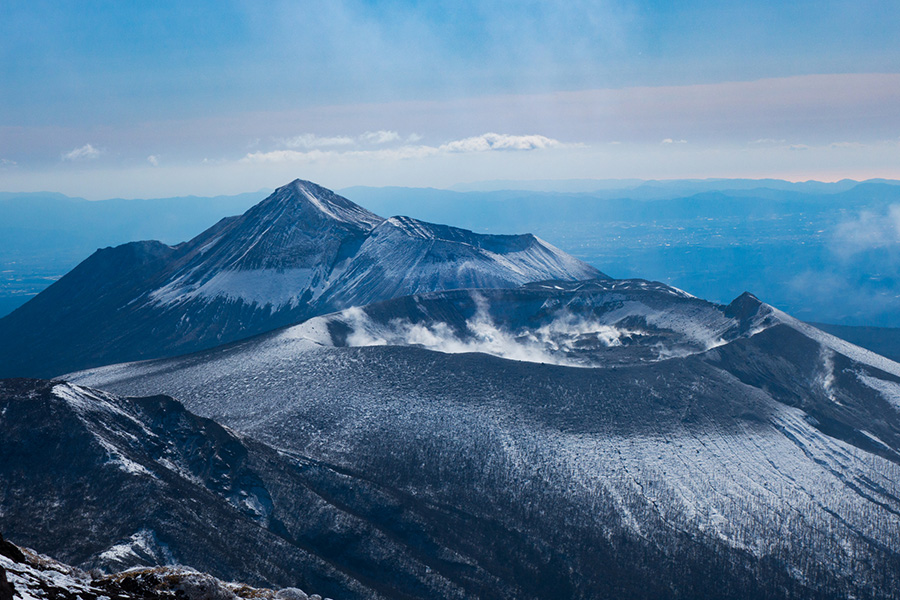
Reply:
x=28, y=575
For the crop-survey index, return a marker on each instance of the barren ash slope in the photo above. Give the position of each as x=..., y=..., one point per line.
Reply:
x=301, y=252
x=643, y=443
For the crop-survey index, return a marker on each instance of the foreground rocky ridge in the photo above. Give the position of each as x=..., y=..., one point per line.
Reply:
x=26, y=575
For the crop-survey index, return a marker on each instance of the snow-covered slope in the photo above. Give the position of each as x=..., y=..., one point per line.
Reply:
x=301, y=252
x=723, y=451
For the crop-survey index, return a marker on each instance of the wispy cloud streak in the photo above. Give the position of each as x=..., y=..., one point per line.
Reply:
x=86, y=152
x=488, y=142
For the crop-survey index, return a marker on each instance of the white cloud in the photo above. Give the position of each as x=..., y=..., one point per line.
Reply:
x=482, y=143
x=869, y=230
x=379, y=137
x=276, y=156
x=311, y=140
x=5, y=162
x=499, y=141
x=86, y=152
x=799, y=147
x=285, y=156
x=671, y=141
x=153, y=160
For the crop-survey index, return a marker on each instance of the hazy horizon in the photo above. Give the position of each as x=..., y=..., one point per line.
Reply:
x=109, y=100
x=565, y=185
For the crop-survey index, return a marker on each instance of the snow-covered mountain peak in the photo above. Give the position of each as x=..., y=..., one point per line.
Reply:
x=305, y=201
x=301, y=252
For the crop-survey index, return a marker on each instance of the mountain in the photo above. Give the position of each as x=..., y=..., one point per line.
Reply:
x=27, y=574
x=643, y=444
x=301, y=252
x=447, y=415
x=110, y=483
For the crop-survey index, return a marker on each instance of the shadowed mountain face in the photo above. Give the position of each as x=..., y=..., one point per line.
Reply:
x=105, y=482
x=713, y=451
x=110, y=482
x=301, y=252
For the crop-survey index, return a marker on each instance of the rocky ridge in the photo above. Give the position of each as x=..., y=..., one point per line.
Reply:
x=27, y=575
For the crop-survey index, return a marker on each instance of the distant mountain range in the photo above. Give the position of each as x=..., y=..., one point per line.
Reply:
x=666, y=188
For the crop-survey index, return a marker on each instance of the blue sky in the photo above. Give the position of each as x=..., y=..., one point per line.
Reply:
x=155, y=98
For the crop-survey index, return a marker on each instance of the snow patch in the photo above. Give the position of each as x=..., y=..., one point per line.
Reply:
x=84, y=401
x=875, y=439
x=121, y=461
x=182, y=472
x=139, y=547
x=205, y=247
x=263, y=287
x=889, y=390
x=840, y=346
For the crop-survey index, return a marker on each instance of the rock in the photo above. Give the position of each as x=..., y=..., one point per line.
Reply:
x=291, y=594
x=7, y=591
x=11, y=551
